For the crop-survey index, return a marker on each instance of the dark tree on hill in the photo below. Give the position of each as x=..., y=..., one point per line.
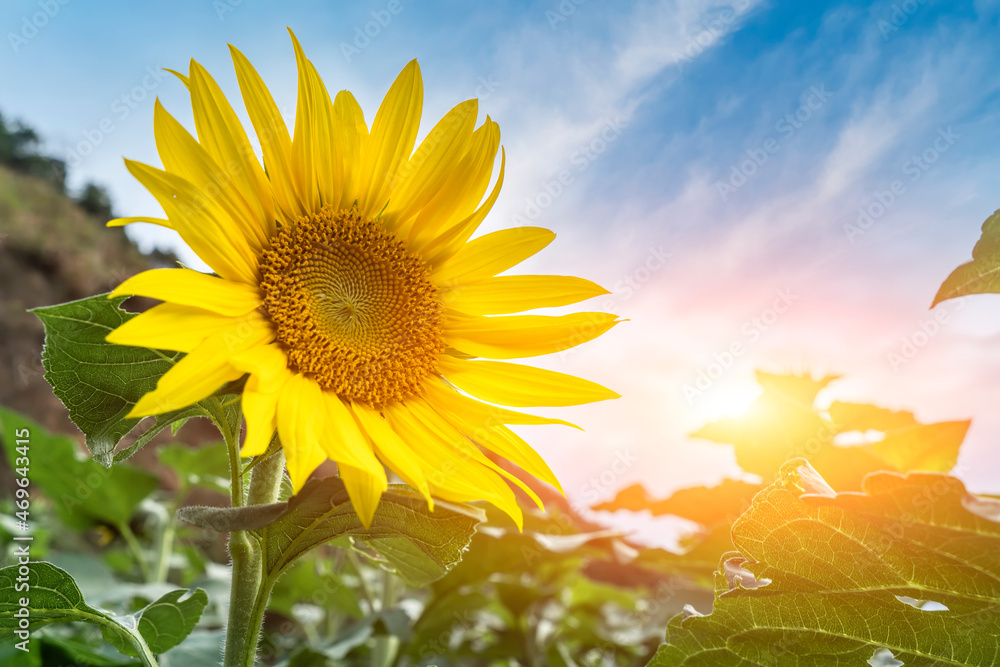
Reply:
x=94, y=199
x=19, y=149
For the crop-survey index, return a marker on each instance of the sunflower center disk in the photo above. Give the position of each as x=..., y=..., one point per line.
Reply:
x=352, y=307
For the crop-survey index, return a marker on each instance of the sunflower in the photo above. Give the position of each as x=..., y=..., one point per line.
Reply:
x=347, y=289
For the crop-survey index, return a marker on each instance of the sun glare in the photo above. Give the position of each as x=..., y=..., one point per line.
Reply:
x=731, y=399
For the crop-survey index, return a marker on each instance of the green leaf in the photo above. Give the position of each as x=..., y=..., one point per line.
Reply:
x=828, y=579
x=205, y=466
x=982, y=274
x=83, y=491
x=97, y=381
x=57, y=651
x=54, y=597
x=405, y=537
x=309, y=581
x=165, y=622
x=174, y=419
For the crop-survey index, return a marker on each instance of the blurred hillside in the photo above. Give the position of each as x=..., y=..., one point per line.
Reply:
x=53, y=248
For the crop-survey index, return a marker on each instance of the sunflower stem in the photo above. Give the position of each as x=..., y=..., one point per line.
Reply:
x=251, y=587
x=231, y=435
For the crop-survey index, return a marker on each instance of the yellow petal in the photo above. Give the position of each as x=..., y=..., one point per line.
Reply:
x=305, y=160
x=170, y=326
x=213, y=237
x=520, y=386
x=435, y=162
x=512, y=294
x=221, y=133
x=393, y=134
x=439, y=393
x=272, y=133
x=524, y=335
x=203, y=370
x=191, y=288
x=461, y=441
x=464, y=190
x=317, y=145
x=269, y=373
x=353, y=139
x=267, y=365
x=260, y=412
x=365, y=491
x=185, y=157
x=487, y=429
x=343, y=440
x=453, y=475
x=491, y=254
x=507, y=444
x=121, y=222
x=391, y=449
x=439, y=249
x=300, y=427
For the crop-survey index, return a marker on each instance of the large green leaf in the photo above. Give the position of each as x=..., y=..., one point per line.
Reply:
x=82, y=490
x=982, y=274
x=405, y=537
x=97, y=381
x=53, y=597
x=822, y=578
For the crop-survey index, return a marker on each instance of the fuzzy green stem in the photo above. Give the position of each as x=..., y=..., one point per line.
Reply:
x=251, y=588
x=231, y=434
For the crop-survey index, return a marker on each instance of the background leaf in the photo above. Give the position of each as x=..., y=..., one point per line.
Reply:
x=982, y=274
x=206, y=466
x=82, y=491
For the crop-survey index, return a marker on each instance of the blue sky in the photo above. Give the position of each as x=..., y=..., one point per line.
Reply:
x=710, y=162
